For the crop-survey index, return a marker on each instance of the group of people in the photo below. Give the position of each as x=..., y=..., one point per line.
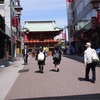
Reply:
x=41, y=58
x=56, y=54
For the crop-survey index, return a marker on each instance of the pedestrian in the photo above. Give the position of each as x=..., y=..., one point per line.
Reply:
x=56, y=58
x=25, y=55
x=41, y=57
x=88, y=63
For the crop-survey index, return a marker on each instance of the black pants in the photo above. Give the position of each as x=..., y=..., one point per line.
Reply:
x=25, y=59
x=41, y=67
x=92, y=67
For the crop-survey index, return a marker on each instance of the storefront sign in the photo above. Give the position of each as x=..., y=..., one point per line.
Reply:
x=15, y=21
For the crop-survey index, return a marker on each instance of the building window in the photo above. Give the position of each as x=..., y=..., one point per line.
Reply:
x=1, y=1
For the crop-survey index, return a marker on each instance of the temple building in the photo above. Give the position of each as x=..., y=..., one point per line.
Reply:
x=41, y=33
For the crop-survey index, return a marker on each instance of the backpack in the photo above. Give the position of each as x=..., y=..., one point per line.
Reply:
x=95, y=58
x=56, y=55
x=41, y=56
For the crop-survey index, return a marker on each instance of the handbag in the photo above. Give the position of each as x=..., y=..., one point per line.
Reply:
x=95, y=58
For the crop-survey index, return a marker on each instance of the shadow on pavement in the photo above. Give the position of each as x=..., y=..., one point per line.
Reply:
x=82, y=79
x=75, y=57
x=53, y=70
x=74, y=97
x=23, y=70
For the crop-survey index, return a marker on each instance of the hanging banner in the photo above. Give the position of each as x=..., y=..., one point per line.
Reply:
x=25, y=38
x=71, y=0
x=14, y=21
x=63, y=36
x=98, y=16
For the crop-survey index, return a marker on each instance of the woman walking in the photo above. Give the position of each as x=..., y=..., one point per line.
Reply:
x=41, y=57
x=56, y=58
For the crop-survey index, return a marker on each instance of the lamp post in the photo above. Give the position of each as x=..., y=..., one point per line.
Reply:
x=96, y=6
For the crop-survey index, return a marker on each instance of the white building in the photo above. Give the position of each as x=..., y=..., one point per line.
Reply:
x=11, y=33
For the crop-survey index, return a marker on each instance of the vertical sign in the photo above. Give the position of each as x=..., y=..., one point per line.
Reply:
x=98, y=16
x=15, y=21
x=94, y=22
x=25, y=38
x=63, y=36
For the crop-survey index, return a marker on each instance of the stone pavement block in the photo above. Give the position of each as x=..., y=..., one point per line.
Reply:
x=8, y=75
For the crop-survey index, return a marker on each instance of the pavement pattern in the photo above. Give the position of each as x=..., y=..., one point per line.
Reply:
x=24, y=82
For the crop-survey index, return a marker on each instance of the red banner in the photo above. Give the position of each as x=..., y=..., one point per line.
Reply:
x=25, y=38
x=98, y=16
x=15, y=21
x=63, y=36
x=68, y=0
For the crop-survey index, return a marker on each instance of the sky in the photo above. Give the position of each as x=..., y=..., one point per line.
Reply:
x=44, y=10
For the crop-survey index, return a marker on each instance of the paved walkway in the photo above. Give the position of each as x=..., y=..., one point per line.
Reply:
x=25, y=83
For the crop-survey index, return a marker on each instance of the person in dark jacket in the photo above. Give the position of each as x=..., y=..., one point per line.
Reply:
x=56, y=59
x=41, y=63
x=25, y=55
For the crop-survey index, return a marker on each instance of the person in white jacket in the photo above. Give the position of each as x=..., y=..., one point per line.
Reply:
x=88, y=63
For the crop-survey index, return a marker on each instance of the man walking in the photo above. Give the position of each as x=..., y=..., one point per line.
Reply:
x=25, y=55
x=88, y=63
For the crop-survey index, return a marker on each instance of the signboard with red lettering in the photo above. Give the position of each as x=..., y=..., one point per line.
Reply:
x=15, y=21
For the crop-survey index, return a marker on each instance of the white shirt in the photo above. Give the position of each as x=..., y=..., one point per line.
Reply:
x=25, y=51
x=87, y=55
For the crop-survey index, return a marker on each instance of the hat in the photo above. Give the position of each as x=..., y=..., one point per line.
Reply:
x=88, y=44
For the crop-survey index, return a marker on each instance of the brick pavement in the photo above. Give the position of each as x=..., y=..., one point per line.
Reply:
x=66, y=84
